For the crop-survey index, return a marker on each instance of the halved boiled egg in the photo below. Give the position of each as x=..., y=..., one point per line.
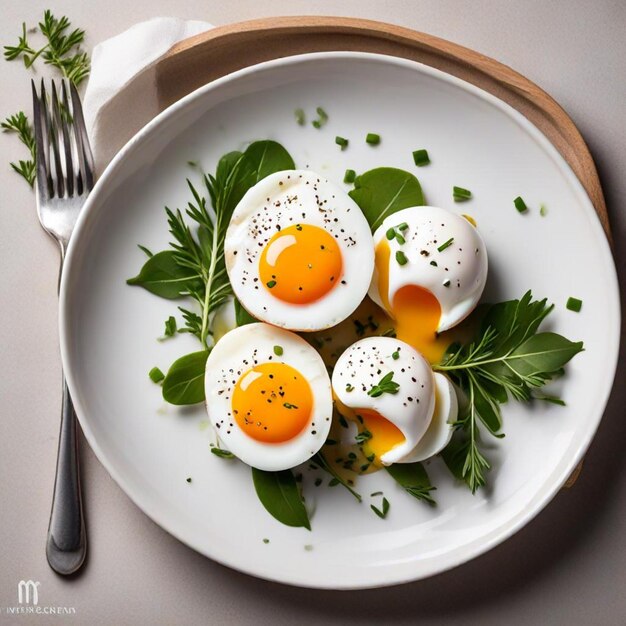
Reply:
x=268, y=396
x=299, y=251
x=405, y=410
x=431, y=269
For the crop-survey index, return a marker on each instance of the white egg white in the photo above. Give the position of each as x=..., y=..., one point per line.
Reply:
x=286, y=199
x=455, y=275
x=411, y=409
x=236, y=353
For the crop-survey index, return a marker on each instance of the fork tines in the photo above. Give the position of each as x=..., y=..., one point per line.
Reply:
x=64, y=160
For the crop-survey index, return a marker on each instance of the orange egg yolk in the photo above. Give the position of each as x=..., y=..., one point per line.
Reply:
x=300, y=264
x=416, y=311
x=384, y=435
x=272, y=403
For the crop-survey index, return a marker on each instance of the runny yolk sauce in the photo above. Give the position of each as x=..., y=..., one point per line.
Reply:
x=272, y=402
x=416, y=311
x=300, y=264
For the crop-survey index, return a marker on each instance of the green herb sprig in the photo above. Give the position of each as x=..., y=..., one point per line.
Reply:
x=507, y=358
x=20, y=125
x=385, y=385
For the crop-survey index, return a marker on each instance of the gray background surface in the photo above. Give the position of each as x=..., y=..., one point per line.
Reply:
x=566, y=567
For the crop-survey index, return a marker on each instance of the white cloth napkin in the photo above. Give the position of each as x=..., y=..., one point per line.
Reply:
x=121, y=93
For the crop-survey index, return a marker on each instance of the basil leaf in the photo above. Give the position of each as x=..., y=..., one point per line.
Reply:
x=163, y=276
x=184, y=382
x=544, y=352
x=412, y=477
x=280, y=495
x=383, y=191
x=260, y=159
x=242, y=317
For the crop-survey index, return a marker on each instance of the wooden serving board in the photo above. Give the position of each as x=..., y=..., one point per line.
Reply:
x=225, y=49
x=205, y=57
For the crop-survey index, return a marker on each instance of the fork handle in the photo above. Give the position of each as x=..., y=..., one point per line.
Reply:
x=66, y=545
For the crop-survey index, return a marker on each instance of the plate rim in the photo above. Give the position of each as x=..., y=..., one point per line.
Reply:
x=471, y=552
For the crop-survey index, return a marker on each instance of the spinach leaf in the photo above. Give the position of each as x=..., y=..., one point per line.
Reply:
x=163, y=276
x=383, y=191
x=184, y=382
x=280, y=495
x=242, y=317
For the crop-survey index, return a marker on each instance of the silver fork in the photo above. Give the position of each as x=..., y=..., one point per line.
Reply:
x=65, y=176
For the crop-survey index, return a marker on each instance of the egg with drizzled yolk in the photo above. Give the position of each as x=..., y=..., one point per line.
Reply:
x=268, y=396
x=404, y=411
x=299, y=252
x=430, y=271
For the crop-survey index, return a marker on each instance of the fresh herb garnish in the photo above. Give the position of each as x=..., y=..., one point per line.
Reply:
x=321, y=461
x=184, y=382
x=520, y=205
x=421, y=158
x=401, y=258
x=543, y=210
x=280, y=495
x=278, y=350
x=445, y=245
x=170, y=326
x=381, y=513
x=156, y=375
x=62, y=48
x=288, y=405
x=385, y=385
x=223, y=454
x=372, y=139
x=341, y=141
x=363, y=436
x=349, y=177
x=385, y=190
x=412, y=477
x=460, y=194
x=270, y=284
x=20, y=125
x=349, y=388
x=508, y=357
x=322, y=118
x=395, y=355
x=574, y=304
x=300, y=118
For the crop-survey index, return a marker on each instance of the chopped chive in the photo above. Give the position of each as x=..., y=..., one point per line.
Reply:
x=170, y=326
x=299, y=113
x=520, y=205
x=223, y=454
x=391, y=233
x=460, y=195
x=401, y=258
x=266, y=540
x=378, y=512
x=323, y=115
x=278, y=350
x=271, y=283
x=376, y=493
x=445, y=245
x=316, y=123
x=156, y=375
x=322, y=118
x=395, y=355
x=341, y=141
x=373, y=139
x=349, y=176
x=308, y=547
x=371, y=458
x=574, y=304
x=188, y=479
x=400, y=239
x=349, y=388
x=288, y=405
x=434, y=263
x=543, y=210
x=402, y=227
x=420, y=158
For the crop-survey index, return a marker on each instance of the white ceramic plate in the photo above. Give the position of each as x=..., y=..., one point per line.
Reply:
x=109, y=330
